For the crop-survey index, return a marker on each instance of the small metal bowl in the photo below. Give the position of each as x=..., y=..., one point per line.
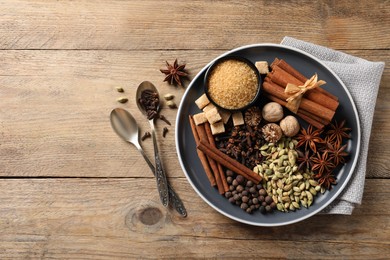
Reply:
x=225, y=58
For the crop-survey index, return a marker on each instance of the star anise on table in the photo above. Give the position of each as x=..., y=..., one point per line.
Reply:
x=327, y=180
x=337, y=132
x=309, y=138
x=304, y=160
x=174, y=73
x=322, y=164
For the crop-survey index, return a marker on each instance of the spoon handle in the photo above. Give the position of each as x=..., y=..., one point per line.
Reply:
x=173, y=197
x=161, y=178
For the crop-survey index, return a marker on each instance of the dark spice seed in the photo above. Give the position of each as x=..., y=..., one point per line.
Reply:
x=163, y=118
x=268, y=200
x=249, y=183
x=146, y=135
x=231, y=200
x=245, y=193
x=240, y=179
x=239, y=188
x=165, y=131
x=228, y=194
x=229, y=180
x=231, y=188
x=262, y=209
x=235, y=183
x=263, y=192
x=244, y=206
x=229, y=173
x=245, y=199
x=268, y=208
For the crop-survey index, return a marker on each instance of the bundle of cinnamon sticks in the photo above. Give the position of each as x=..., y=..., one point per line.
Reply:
x=317, y=107
x=213, y=159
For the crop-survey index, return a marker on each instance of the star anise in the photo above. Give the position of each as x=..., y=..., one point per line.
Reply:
x=304, y=160
x=338, y=154
x=322, y=164
x=174, y=73
x=327, y=180
x=337, y=132
x=309, y=137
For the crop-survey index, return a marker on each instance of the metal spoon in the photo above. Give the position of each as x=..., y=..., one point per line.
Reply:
x=161, y=178
x=127, y=128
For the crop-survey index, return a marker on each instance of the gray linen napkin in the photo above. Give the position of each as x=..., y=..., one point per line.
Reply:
x=362, y=78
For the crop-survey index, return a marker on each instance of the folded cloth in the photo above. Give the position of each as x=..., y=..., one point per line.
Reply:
x=362, y=79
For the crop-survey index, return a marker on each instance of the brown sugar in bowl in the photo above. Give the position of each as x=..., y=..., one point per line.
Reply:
x=232, y=83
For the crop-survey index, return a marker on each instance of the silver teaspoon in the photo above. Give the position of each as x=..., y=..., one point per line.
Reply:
x=148, y=102
x=127, y=128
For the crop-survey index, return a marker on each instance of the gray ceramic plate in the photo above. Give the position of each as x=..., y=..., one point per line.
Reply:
x=186, y=148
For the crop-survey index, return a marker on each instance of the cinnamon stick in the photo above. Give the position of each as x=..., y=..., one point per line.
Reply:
x=201, y=129
x=301, y=113
x=282, y=78
x=287, y=67
x=228, y=162
x=201, y=155
x=308, y=105
x=220, y=171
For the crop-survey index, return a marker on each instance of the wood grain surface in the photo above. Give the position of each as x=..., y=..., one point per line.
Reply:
x=71, y=189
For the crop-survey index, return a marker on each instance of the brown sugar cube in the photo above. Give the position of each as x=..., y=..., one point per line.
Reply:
x=213, y=116
x=202, y=101
x=200, y=118
x=225, y=115
x=238, y=119
x=208, y=107
x=217, y=128
x=262, y=67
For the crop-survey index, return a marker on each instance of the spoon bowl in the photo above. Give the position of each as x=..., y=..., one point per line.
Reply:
x=125, y=125
x=145, y=85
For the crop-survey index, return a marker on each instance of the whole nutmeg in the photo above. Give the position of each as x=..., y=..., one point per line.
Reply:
x=272, y=132
x=272, y=112
x=290, y=126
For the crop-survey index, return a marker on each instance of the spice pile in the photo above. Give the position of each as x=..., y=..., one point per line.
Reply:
x=261, y=159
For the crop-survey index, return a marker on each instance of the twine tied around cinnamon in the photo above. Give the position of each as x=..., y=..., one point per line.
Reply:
x=295, y=93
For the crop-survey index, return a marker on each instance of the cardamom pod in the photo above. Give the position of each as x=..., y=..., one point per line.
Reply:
x=122, y=100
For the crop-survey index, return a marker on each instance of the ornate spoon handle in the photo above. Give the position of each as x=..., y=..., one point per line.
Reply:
x=175, y=200
x=162, y=183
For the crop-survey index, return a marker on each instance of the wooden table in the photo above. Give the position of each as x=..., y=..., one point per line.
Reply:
x=70, y=188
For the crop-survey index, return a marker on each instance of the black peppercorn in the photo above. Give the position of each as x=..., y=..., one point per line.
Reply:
x=263, y=192
x=268, y=200
x=262, y=209
x=245, y=199
x=239, y=188
x=240, y=179
x=229, y=173
x=252, y=190
x=229, y=179
x=249, y=183
x=228, y=194
x=244, y=206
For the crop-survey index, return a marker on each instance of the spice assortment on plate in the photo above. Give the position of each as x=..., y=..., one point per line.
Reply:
x=257, y=153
